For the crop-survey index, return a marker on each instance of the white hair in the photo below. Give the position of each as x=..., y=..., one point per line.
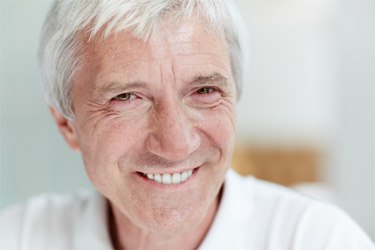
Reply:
x=59, y=51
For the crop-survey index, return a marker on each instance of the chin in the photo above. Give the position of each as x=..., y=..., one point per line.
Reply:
x=174, y=221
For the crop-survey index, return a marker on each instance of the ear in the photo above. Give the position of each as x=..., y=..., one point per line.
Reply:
x=66, y=128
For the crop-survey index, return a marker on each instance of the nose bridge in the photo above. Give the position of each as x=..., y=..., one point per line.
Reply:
x=173, y=135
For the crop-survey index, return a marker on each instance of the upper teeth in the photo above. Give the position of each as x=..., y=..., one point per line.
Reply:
x=170, y=178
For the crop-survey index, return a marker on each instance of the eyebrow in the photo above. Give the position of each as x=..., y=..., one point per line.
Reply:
x=214, y=78
x=118, y=86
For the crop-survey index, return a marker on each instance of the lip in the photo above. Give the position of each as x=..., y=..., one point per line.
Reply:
x=169, y=186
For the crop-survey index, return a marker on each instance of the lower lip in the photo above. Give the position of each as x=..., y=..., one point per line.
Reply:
x=160, y=185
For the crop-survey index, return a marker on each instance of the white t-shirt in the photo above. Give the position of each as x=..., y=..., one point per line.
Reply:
x=253, y=215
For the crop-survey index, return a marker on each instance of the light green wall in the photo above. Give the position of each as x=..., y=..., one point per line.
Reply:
x=34, y=157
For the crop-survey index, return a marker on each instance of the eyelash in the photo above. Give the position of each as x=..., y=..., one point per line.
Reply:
x=126, y=97
x=121, y=97
x=207, y=91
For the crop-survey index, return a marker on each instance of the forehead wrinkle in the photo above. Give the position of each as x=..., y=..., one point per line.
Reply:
x=164, y=51
x=167, y=72
x=200, y=58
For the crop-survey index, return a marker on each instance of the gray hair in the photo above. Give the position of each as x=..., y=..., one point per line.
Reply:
x=59, y=51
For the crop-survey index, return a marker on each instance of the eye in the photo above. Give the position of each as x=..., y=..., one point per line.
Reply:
x=205, y=97
x=129, y=102
x=205, y=91
x=124, y=97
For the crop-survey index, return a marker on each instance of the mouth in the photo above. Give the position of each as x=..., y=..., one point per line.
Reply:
x=169, y=178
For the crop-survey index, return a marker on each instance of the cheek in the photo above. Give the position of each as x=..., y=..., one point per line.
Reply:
x=219, y=125
x=105, y=144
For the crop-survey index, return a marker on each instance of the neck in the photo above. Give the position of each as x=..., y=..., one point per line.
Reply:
x=127, y=235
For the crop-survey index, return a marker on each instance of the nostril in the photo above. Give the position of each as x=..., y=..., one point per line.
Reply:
x=172, y=147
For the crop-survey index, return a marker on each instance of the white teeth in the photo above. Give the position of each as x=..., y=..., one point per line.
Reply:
x=167, y=179
x=176, y=178
x=157, y=178
x=184, y=175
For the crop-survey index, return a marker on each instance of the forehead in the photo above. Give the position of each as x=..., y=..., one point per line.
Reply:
x=167, y=37
x=186, y=46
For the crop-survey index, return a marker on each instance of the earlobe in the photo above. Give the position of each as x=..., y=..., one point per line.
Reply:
x=66, y=128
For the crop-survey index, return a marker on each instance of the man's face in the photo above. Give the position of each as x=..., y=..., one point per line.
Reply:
x=151, y=113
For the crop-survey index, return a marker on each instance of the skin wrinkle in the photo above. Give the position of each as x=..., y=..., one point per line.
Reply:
x=94, y=32
x=112, y=89
x=200, y=79
x=109, y=90
x=187, y=130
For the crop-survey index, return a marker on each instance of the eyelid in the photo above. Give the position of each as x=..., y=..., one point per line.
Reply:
x=206, y=90
x=132, y=97
x=215, y=89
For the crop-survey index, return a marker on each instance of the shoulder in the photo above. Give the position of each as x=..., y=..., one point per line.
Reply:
x=263, y=193
x=274, y=197
x=47, y=216
x=285, y=217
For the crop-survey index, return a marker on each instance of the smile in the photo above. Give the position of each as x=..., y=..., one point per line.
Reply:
x=168, y=179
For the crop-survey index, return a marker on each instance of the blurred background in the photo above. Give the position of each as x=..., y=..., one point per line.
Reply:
x=306, y=118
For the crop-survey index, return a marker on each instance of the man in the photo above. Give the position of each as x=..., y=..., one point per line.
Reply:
x=146, y=92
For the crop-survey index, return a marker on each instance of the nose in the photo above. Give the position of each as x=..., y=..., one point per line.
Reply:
x=173, y=135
